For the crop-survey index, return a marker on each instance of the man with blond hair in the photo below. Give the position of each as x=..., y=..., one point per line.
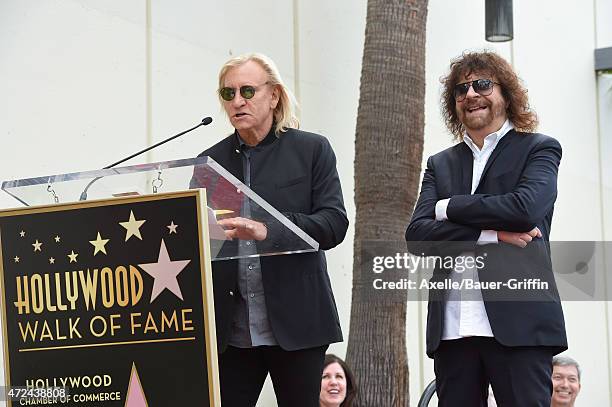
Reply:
x=274, y=314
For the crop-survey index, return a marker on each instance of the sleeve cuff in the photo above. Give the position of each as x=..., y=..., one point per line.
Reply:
x=487, y=236
x=441, y=206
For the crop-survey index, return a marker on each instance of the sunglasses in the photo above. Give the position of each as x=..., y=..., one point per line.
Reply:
x=246, y=91
x=484, y=87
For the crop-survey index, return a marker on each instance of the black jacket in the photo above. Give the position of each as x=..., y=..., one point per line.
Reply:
x=296, y=173
x=516, y=193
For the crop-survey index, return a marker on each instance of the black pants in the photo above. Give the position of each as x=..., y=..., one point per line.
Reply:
x=296, y=375
x=519, y=376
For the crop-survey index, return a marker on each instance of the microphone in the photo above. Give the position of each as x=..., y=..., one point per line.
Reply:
x=205, y=122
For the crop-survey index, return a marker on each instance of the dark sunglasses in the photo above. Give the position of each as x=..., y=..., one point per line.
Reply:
x=246, y=91
x=484, y=87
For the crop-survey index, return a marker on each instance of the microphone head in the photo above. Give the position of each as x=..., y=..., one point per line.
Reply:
x=207, y=121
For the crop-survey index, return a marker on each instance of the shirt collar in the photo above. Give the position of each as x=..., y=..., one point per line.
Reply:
x=491, y=139
x=270, y=138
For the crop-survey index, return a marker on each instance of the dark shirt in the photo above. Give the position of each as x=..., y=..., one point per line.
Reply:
x=250, y=326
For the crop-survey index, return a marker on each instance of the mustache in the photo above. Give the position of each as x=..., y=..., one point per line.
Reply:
x=478, y=103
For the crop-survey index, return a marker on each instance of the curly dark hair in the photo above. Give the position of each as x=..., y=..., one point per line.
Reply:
x=487, y=62
x=351, y=384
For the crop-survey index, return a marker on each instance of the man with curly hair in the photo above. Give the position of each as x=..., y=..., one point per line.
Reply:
x=491, y=197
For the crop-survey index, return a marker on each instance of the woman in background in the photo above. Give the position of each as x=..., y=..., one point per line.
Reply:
x=338, y=387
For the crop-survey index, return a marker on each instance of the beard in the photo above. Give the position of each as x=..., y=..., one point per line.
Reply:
x=495, y=111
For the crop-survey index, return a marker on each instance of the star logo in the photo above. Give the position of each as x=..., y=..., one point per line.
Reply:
x=172, y=228
x=132, y=227
x=51, y=260
x=72, y=256
x=99, y=244
x=37, y=246
x=57, y=239
x=22, y=233
x=135, y=395
x=16, y=259
x=165, y=272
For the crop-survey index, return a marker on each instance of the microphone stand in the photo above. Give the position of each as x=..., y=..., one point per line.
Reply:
x=205, y=121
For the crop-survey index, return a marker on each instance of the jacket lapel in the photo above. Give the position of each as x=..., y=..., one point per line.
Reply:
x=466, y=163
x=233, y=160
x=503, y=143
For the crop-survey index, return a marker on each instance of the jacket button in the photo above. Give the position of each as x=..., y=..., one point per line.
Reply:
x=231, y=293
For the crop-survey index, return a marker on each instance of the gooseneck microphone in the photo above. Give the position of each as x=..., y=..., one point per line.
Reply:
x=205, y=121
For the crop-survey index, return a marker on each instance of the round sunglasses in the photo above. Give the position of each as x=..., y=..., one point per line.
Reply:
x=484, y=87
x=246, y=91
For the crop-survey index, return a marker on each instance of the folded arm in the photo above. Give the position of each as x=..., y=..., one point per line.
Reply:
x=431, y=237
x=520, y=210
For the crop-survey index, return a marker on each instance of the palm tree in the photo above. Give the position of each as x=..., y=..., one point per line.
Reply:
x=388, y=154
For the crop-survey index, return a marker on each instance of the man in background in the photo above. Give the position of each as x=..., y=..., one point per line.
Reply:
x=566, y=381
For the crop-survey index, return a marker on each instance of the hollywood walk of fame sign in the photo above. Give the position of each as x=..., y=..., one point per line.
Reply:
x=112, y=300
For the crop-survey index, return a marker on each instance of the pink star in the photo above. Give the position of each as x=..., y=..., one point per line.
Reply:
x=164, y=272
x=135, y=394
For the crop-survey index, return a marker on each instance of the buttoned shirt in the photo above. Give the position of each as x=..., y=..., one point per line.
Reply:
x=251, y=326
x=468, y=316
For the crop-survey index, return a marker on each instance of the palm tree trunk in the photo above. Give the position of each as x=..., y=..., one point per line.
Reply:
x=388, y=154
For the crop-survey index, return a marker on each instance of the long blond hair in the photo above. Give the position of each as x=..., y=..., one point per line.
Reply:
x=284, y=113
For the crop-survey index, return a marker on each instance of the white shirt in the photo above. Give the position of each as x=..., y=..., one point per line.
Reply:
x=469, y=317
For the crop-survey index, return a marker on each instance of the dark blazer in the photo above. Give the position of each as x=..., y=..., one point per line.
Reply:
x=298, y=177
x=516, y=193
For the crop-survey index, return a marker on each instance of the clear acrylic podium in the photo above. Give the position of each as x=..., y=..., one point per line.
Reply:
x=227, y=197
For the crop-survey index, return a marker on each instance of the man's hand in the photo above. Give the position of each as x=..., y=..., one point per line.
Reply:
x=518, y=239
x=243, y=229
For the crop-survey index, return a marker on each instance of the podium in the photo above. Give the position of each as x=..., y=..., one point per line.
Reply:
x=106, y=282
